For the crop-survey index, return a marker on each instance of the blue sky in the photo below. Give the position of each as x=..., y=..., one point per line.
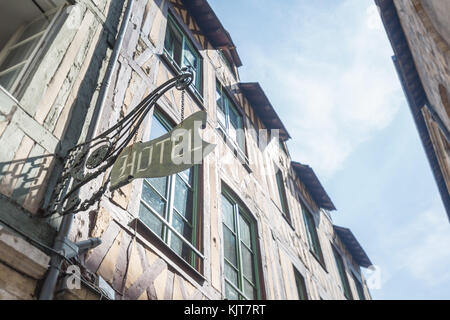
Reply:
x=329, y=63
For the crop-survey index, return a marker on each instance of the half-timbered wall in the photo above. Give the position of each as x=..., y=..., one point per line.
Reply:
x=55, y=113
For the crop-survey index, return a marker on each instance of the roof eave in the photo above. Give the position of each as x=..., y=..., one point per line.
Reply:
x=312, y=183
x=263, y=108
x=353, y=246
x=211, y=26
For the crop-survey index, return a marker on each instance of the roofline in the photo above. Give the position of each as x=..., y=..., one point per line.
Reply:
x=413, y=89
x=313, y=185
x=353, y=246
x=202, y=12
x=266, y=111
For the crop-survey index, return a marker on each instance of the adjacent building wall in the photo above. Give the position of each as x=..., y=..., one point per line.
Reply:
x=426, y=26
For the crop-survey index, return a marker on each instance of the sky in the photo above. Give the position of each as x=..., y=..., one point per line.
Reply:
x=329, y=63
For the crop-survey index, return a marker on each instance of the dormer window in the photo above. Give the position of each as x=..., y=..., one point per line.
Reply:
x=182, y=53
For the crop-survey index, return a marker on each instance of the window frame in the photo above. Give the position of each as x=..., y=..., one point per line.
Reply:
x=312, y=234
x=302, y=290
x=227, y=62
x=173, y=24
x=340, y=266
x=238, y=211
x=27, y=64
x=279, y=177
x=359, y=286
x=224, y=127
x=167, y=229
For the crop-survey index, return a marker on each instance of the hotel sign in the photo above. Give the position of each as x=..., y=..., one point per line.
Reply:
x=174, y=152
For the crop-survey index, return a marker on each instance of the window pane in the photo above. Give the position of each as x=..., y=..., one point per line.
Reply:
x=231, y=274
x=181, y=226
x=235, y=117
x=249, y=290
x=230, y=246
x=188, y=175
x=158, y=128
x=18, y=54
x=190, y=57
x=183, y=198
x=227, y=212
x=150, y=220
x=173, y=43
x=301, y=286
x=220, y=108
x=153, y=199
x=7, y=79
x=342, y=274
x=247, y=263
x=34, y=28
x=244, y=228
x=282, y=192
x=160, y=184
x=359, y=288
x=180, y=247
x=230, y=293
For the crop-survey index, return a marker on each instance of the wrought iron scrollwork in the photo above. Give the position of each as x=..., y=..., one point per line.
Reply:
x=90, y=159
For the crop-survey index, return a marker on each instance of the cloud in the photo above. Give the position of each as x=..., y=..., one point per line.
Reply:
x=329, y=70
x=373, y=18
x=424, y=247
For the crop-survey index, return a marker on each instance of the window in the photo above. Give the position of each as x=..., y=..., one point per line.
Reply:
x=169, y=205
x=301, y=286
x=313, y=237
x=342, y=274
x=282, y=194
x=226, y=61
x=230, y=120
x=359, y=287
x=22, y=33
x=240, y=254
x=181, y=52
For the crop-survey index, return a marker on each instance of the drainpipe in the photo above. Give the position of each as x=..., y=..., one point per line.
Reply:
x=63, y=245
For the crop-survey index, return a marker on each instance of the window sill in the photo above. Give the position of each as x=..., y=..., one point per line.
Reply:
x=322, y=263
x=170, y=255
x=170, y=64
x=236, y=150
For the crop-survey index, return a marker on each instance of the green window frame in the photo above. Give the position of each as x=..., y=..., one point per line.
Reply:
x=313, y=237
x=359, y=287
x=240, y=251
x=179, y=49
x=168, y=205
x=301, y=285
x=342, y=274
x=229, y=118
x=282, y=194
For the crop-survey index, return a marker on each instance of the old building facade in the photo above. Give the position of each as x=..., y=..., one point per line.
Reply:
x=248, y=223
x=419, y=32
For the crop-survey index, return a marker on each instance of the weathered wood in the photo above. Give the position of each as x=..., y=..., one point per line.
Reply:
x=96, y=257
x=145, y=280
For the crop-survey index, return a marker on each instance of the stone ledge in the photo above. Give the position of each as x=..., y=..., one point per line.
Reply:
x=19, y=254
